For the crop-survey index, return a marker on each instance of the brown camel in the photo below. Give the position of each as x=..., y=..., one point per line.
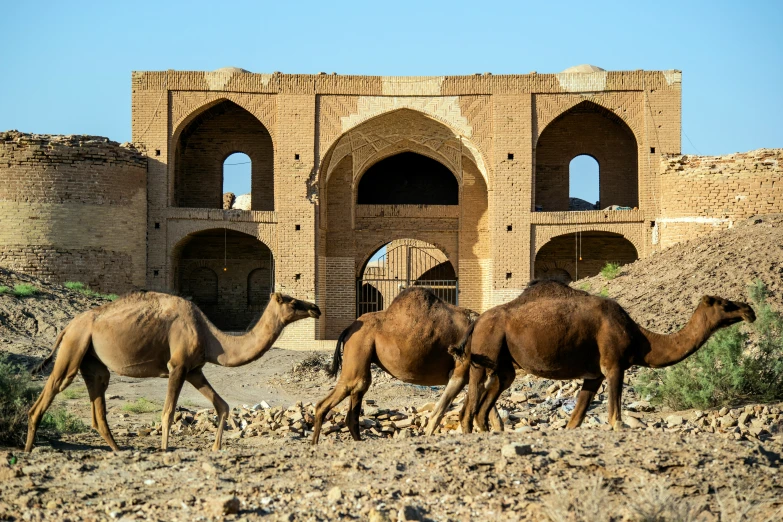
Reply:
x=149, y=334
x=409, y=341
x=557, y=332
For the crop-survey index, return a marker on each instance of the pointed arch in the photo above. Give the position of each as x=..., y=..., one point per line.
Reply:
x=587, y=129
x=203, y=144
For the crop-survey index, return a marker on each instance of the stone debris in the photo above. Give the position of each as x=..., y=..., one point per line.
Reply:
x=226, y=505
x=514, y=449
x=542, y=407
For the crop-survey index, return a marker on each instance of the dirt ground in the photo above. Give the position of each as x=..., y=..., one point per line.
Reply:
x=588, y=474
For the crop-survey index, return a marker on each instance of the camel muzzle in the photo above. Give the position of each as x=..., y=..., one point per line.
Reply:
x=315, y=312
x=749, y=315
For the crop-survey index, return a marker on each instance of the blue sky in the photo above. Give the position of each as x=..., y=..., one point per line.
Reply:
x=65, y=68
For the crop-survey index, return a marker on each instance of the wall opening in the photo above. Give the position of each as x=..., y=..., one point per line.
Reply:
x=583, y=183
x=401, y=264
x=591, y=130
x=559, y=258
x=205, y=147
x=408, y=178
x=237, y=181
x=228, y=274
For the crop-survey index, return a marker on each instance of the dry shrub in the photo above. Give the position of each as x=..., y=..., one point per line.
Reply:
x=578, y=501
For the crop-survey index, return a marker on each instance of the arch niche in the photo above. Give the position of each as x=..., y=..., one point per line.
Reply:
x=559, y=257
x=202, y=147
x=592, y=130
x=228, y=274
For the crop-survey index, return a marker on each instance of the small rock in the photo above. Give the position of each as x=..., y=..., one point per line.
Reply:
x=334, y=495
x=727, y=421
x=227, y=505
x=378, y=516
x=674, y=420
x=409, y=512
x=515, y=448
x=635, y=423
x=210, y=468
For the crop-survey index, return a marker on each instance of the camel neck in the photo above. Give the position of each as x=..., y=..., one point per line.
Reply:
x=665, y=350
x=237, y=350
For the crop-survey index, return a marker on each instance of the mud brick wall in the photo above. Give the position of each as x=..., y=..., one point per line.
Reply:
x=701, y=194
x=73, y=208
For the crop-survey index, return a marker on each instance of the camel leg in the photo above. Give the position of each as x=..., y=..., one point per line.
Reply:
x=337, y=395
x=586, y=394
x=177, y=377
x=73, y=348
x=96, y=377
x=455, y=384
x=615, y=386
x=199, y=381
x=503, y=378
x=475, y=394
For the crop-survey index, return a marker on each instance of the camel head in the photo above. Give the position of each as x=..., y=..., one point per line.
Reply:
x=723, y=312
x=290, y=309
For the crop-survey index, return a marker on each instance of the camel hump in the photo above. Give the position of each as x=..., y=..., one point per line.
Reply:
x=415, y=296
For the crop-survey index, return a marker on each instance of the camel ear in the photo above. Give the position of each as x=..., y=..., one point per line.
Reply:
x=277, y=297
x=708, y=300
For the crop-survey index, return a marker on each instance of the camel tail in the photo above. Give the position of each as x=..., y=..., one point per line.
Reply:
x=337, y=360
x=458, y=350
x=41, y=367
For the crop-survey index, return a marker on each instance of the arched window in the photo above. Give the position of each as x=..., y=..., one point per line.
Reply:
x=237, y=177
x=586, y=129
x=408, y=179
x=205, y=166
x=583, y=183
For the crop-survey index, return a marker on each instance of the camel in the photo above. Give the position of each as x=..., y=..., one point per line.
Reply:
x=409, y=341
x=150, y=334
x=557, y=332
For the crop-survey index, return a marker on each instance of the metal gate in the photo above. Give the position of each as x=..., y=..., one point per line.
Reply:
x=400, y=267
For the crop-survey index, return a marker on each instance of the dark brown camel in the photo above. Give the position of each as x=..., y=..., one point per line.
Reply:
x=409, y=341
x=149, y=334
x=557, y=332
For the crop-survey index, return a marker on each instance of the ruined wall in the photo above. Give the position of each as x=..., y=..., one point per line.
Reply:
x=701, y=194
x=73, y=208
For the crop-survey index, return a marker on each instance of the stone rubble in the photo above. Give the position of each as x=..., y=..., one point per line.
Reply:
x=521, y=411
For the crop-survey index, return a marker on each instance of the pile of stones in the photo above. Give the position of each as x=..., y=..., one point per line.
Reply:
x=521, y=412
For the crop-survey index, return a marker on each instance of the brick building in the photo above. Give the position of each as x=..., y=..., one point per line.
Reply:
x=467, y=175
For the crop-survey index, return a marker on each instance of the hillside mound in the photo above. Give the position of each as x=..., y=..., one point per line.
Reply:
x=29, y=325
x=660, y=292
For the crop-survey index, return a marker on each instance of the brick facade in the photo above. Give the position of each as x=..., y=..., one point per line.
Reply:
x=506, y=140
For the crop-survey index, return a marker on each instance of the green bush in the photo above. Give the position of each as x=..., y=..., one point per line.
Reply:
x=18, y=392
x=83, y=289
x=58, y=420
x=25, y=290
x=141, y=405
x=739, y=363
x=610, y=270
x=4, y=290
x=604, y=292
